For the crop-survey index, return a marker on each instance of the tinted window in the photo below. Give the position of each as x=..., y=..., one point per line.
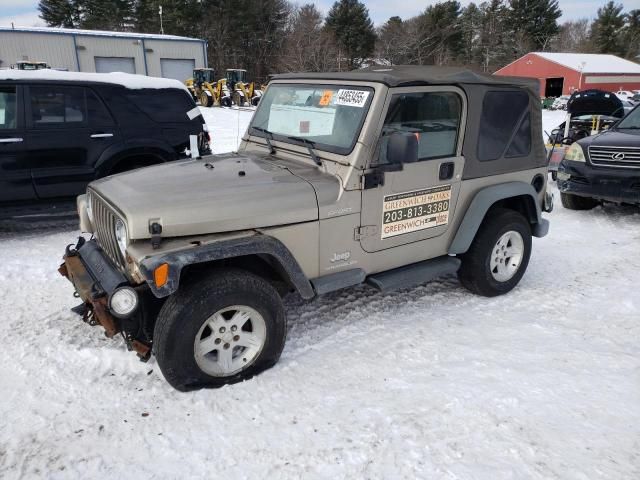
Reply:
x=163, y=106
x=505, y=125
x=56, y=105
x=433, y=117
x=8, y=108
x=98, y=114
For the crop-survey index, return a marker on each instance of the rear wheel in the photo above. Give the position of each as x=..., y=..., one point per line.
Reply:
x=576, y=202
x=219, y=330
x=498, y=255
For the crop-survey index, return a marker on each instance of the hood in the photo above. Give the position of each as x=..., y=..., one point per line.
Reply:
x=595, y=102
x=617, y=138
x=219, y=193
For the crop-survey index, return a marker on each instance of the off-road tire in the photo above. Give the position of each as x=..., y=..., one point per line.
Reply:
x=184, y=313
x=475, y=271
x=576, y=202
x=205, y=100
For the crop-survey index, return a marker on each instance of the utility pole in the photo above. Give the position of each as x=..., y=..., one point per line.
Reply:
x=160, y=12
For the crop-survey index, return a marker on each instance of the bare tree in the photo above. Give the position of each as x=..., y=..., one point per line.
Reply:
x=308, y=46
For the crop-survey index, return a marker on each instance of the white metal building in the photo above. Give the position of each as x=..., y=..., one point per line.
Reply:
x=99, y=51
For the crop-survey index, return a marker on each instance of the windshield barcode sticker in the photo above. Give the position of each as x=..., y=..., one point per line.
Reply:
x=352, y=98
x=418, y=210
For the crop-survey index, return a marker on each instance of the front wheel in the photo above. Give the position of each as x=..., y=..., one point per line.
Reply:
x=498, y=255
x=218, y=330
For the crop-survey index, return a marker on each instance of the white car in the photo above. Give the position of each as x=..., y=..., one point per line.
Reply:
x=625, y=95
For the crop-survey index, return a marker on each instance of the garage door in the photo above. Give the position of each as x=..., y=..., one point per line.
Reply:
x=178, y=68
x=115, y=64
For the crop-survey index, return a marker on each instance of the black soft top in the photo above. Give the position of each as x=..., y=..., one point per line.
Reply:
x=476, y=86
x=410, y=75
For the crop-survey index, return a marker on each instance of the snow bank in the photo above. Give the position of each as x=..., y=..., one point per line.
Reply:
x=118, y=78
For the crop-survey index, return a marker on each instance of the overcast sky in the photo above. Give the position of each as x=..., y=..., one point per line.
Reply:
x=25, y=12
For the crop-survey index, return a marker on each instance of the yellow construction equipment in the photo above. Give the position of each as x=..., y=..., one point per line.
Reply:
x=206, y=90
x=242, y=92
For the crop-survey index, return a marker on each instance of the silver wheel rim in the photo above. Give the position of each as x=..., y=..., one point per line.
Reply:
x=230, y=340
x=506, y=256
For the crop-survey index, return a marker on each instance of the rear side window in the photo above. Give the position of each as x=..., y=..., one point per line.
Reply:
x=505, y=126
x=163, y=106
x=8, y=108
x=57, y=105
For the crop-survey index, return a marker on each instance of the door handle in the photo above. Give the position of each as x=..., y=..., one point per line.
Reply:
x=446, y=170
x=10, y=140
x=102, y=135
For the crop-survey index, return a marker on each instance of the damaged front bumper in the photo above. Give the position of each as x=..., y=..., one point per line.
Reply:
x=96, y=281
x=618, y=185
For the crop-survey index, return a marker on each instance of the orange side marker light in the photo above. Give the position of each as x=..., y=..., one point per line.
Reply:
x=161, y=275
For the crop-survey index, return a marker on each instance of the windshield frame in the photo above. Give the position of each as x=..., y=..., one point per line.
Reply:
x=318, y=146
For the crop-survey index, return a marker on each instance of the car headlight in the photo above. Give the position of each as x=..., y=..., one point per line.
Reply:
x=574, y=153
x=121, y=236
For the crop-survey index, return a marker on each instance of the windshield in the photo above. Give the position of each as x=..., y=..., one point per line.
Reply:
x=632, y=120
x=330, y=116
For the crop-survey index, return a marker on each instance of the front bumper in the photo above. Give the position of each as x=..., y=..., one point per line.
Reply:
x=95, y=279
x=619, y=185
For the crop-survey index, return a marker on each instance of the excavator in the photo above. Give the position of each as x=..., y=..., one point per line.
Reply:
x=206, y=90
x=242, y=92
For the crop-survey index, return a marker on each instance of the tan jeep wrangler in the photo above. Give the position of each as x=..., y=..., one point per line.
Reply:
x=389, y=177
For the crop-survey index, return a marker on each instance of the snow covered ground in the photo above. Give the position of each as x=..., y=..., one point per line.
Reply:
x=429, y=382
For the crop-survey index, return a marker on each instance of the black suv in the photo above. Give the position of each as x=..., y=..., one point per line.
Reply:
x=61, y=130
x=603, y=167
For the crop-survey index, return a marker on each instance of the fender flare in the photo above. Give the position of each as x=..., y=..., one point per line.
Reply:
x=483, y=201
x=239, y=247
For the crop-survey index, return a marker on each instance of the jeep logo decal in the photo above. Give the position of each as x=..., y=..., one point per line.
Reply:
x=618, y=156
x=340, y=257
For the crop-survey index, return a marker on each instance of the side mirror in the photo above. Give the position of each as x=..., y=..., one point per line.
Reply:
x=402, y=148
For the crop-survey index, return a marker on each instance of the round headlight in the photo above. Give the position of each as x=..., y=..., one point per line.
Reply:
x=121, y=236
x=123, y=302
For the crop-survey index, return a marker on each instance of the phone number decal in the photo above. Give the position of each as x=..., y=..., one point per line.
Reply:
x=418, y=210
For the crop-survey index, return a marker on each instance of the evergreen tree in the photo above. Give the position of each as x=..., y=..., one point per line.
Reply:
x=631, y=35
x=607, y=29
x=59, y=13
x=440, y=38
x=534, y=23
x=470, y=28
x=349, y=20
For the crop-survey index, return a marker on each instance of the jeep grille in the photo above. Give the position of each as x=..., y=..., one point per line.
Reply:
x=104, y=223
x=617, y=157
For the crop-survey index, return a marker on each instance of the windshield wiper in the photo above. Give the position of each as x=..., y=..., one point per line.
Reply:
x=266, y=132
x=310, y=146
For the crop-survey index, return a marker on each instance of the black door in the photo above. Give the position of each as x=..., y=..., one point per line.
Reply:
x=68, y=128
x=15, y=172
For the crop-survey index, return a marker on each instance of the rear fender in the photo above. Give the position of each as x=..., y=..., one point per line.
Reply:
x=520, y=193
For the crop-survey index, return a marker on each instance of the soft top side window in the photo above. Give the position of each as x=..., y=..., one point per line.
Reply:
x=433, y=117
x=505, y=125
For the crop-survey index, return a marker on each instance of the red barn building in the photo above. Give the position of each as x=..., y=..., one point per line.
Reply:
x=563, y=73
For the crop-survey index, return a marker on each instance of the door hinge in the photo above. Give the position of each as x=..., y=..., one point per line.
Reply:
x=373, y=179
x=365, y=231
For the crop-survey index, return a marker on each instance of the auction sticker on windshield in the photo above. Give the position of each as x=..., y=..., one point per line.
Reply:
x=417, y=210
x=352, y=98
